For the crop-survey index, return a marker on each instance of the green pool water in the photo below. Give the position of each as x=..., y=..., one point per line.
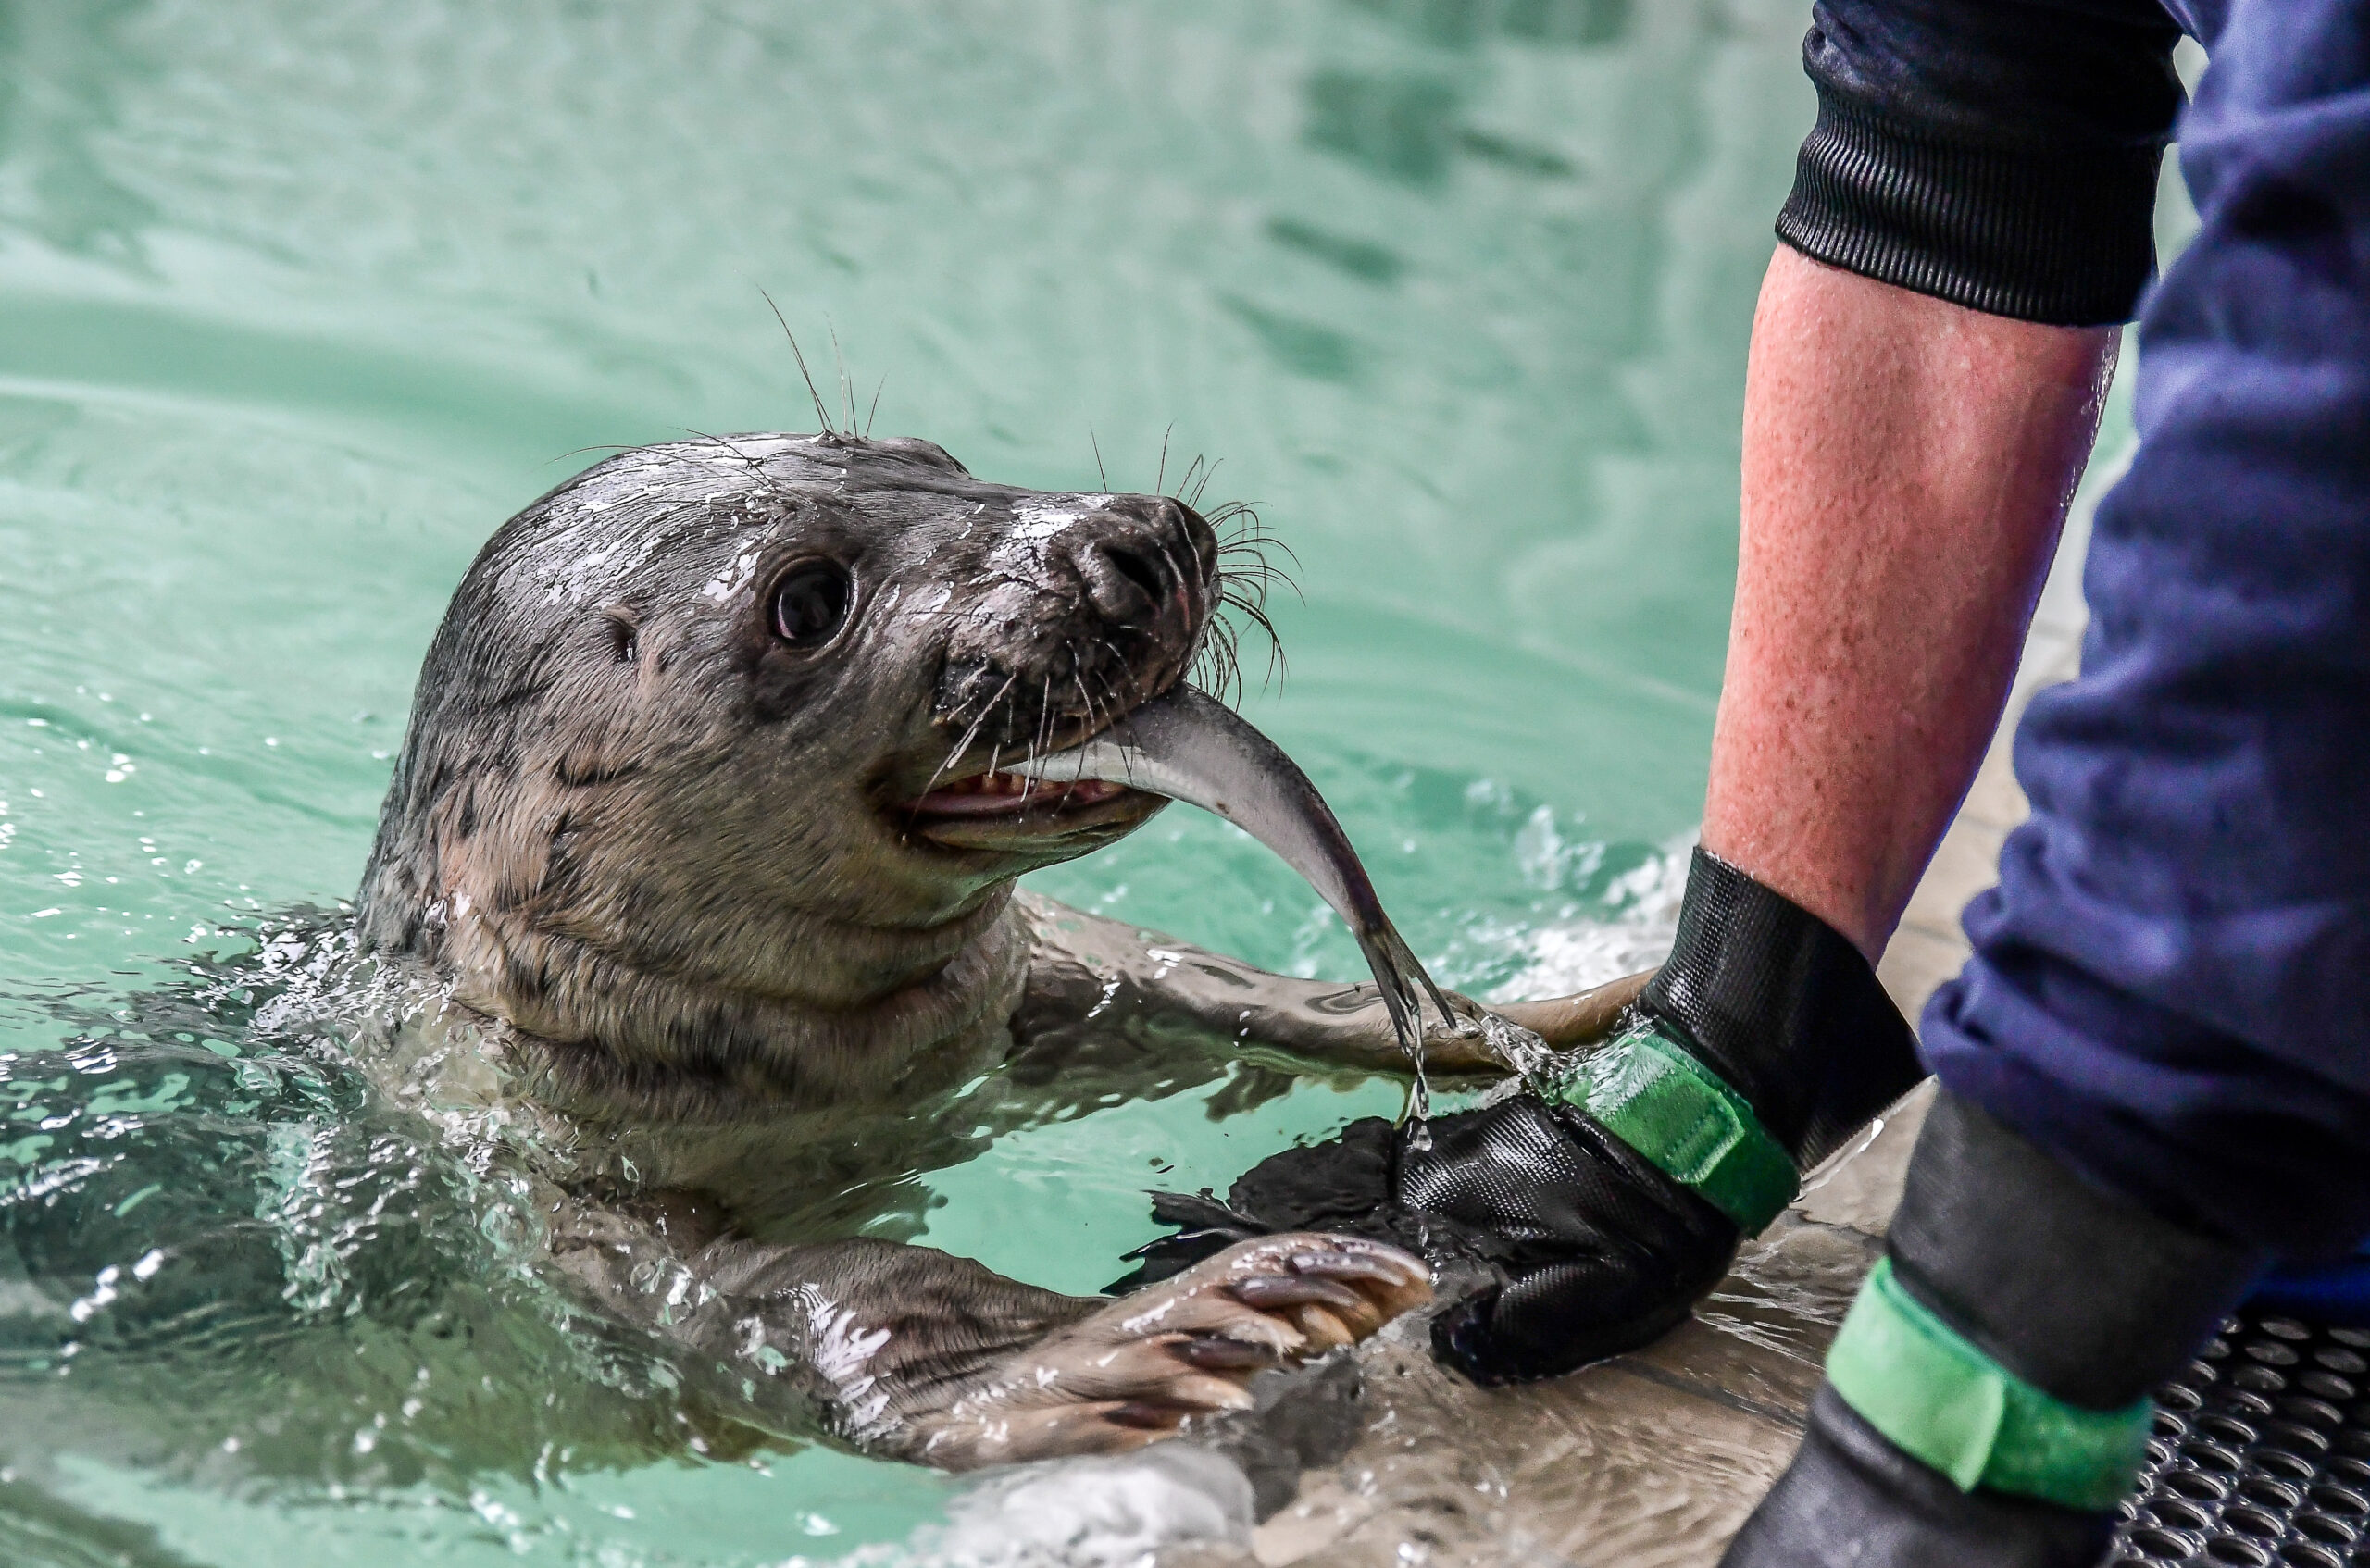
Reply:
x=299, y=301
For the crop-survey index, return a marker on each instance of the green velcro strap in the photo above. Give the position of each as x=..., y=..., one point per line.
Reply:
x=1922, y=1385
x=1697, y=1130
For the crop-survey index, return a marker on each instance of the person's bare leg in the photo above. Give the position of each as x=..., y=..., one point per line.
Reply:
x=1907, y=468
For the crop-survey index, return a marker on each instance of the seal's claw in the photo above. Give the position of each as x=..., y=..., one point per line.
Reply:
x=1354, y=1265
x=1268, y=1291
x=1217, y=1353
x=966, y=1439
x=1210, y=1392
x=1143, y=1416
x=1325, y=1330
x=1140, y=1367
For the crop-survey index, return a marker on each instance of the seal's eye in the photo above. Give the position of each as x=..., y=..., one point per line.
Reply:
x=811, y=603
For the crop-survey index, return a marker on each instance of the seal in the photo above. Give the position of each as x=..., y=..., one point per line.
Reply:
x=698, y=867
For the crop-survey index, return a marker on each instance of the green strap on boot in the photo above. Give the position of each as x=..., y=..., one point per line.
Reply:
x=1941, y=1400
x=1695, y=1129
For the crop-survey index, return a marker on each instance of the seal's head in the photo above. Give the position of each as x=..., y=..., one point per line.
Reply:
x=707, y=746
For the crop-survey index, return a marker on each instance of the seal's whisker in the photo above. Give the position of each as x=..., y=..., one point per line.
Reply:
x=716, y=468
x=1114, y=702
x=847, y=392
x=1243, y=552
x=1252, y=587
x=939, y=773
x=1221, y=654
x=874, y=411
x=1069, y=648
x=1247, y=563
x=1094, y=715
x=1251, y=533
x=1044, y=737
x=1102, y=478
x=1162, y=473
x=1194, y=500
x=1233, y=656
x=1249, y=603
x=1237, y=566
x=963, y=747
x=914, y=811
x=987, y=710
x=1111, y=694
x=1215, y=657
x=1246, y=567
x=755, y=467
x=1278, y=666
x=1077, y=675
x=1126, y=669
x=1212, y=657
x=1255, y=547
x=807, y=376
x=1252, y=600
x=597, y=446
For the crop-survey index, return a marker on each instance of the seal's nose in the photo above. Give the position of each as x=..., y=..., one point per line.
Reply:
x=1123, y=576
x=1139, y=561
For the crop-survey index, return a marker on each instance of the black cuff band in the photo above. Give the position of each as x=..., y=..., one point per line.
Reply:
x=2041, y=233
x=1785, y=1010
x=2083, y=1294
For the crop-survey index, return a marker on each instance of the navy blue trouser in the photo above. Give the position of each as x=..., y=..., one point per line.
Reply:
x=2170, y=988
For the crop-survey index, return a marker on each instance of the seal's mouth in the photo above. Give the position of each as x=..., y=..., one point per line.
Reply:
x=1000, y=811
x=1005, y=795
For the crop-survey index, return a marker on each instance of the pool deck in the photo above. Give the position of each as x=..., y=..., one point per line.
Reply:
x=1651, y=1460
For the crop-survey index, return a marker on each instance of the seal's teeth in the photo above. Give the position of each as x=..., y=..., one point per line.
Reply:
x=988, y=784
x=990, y=794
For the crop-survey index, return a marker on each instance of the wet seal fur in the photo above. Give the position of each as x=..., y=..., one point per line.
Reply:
x=697, y=871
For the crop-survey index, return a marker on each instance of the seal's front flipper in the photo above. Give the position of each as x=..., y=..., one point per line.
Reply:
x=1143, y=1365
x=1092, y=979
x=1584, y=1018
x=910, y=1352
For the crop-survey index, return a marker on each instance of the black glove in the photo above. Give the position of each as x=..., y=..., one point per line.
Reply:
x=2010, y=1275
x=1558, y=1242
x=1590, y=1217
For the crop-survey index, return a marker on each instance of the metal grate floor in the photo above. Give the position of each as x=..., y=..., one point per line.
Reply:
x=2262, y=1454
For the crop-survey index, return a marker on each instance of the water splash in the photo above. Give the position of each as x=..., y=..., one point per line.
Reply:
x=1093, y=1512
x=1190, y=747
x=1526, y=1053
